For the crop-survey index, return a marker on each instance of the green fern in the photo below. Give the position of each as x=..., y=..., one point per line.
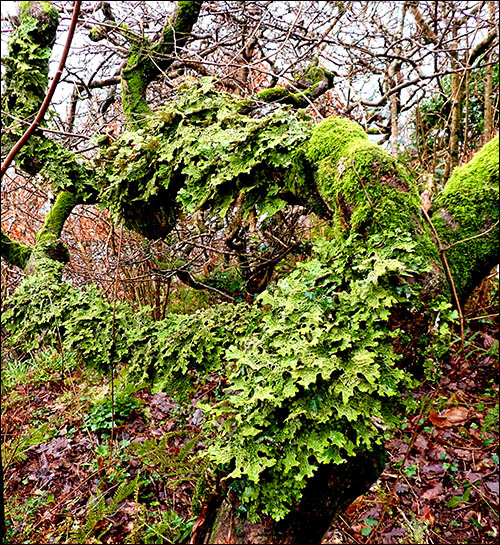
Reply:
x=173, y=468
x=98, y=510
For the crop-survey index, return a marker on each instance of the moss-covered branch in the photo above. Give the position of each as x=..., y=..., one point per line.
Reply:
x=315, y=81
x=14, y=253
x=47, y=238
x=147, y=60
x=26, y=80
x=27, y=61
x=55, y=219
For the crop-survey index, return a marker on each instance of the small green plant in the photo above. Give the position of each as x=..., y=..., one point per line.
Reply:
x=174, y=468
x=19, y=515
x=417, y=530
x=39, y=368
x=410, y=470
x=490, y=423
x=106, y=413
x=455, y=501
x=370, y=524
x=165, y=527
x=15, y=449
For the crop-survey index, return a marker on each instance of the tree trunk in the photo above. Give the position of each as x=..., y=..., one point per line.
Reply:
x=327, y=495
x=457, y=92
x=488, y=87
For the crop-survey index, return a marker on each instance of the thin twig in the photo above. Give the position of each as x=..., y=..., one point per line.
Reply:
x=113, y=345
x=46, y=129
x=442, y=251
x=470, y=238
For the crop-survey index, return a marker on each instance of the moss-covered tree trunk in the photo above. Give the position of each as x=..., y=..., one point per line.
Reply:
x=316, y=366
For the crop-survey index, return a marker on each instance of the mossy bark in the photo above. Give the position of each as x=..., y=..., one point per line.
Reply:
x=13, y=252
x=466, y=217
x=30, y=46
x=55, y=219
x=331, y=169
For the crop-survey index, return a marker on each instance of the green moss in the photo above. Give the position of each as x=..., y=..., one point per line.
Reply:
x=280, y=95
x=467, y=206
x=329, y=138
x=366, y=188
x=140, y=70
x=134, y=84
x=185, y=17
x=14, y=252
x=29, y=45
x=55, y=219
x=96, y=34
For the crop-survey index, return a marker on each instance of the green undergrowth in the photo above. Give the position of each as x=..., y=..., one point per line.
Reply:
x=116, y=478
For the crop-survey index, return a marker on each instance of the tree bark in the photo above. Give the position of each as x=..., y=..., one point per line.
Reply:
x=488, y=87
x=326, y=496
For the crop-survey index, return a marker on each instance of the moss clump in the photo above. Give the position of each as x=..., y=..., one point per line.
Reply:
x=331, y=136
x=467, y=206
x=368, y=191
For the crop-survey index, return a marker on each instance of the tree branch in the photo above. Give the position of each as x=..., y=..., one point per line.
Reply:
x=140, y=69
x=14, y=252
x=45, y=104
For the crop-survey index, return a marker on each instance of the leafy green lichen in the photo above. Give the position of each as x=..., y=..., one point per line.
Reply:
x=27, y=59
x=317, y=379
x=199, y=151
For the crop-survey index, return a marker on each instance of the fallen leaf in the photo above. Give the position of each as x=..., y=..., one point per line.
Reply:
x=388, y=537
x=432, y=468
x=437, y=420
x=473, y=476
x=485, y=464
x=421, y=443
x=493, y=487
x=432, y=493
x=449, y=417
x=427, y=516
x=488, y=340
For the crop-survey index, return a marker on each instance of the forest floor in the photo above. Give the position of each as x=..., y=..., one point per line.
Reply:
x=74, y=474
